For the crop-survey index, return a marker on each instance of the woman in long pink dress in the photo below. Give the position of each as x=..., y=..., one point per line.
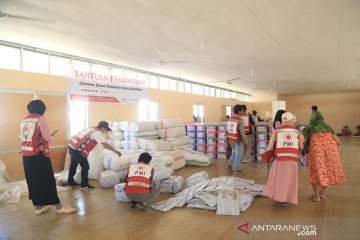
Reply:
x=282, y=184
x=323, y=156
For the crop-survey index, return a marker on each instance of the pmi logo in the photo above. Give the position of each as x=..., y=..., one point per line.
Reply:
x=244, y=228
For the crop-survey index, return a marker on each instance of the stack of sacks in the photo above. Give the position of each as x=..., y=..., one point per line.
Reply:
x=117, y=135
x=154, y=145
x=160, y=170
x=142, y=126
x=112, y=161
x=120, y=193
x=172, y=184
x=95, y=162
x=137, y=130
x=196, y=158
x=129, y=144
x=108, y=179
x=197, y=178
x=173, y=130
x=179, y=159
x=180, y=142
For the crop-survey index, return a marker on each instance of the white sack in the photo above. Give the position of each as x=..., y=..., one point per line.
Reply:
x=138, y=126
x=169, y=123
x=95, y=162
x=116, y=163
x=129, y=144
x=117, y=135
x=171, y=132
x=179, y=141
x=154, y=145
x=108, y=179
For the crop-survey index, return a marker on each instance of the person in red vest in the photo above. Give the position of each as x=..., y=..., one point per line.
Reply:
x=237, y=138
x=80, y=146
x=35, y=138
x=287, y=141
x=139, y=186
x=248, y=126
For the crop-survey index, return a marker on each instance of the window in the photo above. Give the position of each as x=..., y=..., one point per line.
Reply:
x=201, y=90
x=35, y=62
x=181, y=86
x=218, y=92
x=199, y=112
x=172, y=84
x=78, y=116
x=100, y=69
x=163, y=83
x=188, y=87
x=60, y=66
x=128, y=74
x=148, y=110
x=143, y=77
x=206, y=91
x=118, y=72
x=212, y=92
x=234, y=95
x=195, y=88
x=12, y=59
x=154, y=81
x=81, y=66
x=228, y=111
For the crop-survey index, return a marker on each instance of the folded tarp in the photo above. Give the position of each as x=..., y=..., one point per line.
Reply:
x=196, y=158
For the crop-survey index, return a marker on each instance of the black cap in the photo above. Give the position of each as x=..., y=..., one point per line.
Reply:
x=104, y=124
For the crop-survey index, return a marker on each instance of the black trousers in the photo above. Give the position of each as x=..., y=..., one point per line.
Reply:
x=40, y=180
x=77, y=158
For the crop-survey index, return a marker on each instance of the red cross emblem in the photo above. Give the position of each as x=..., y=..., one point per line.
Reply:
x=140, y=168
x=288, y=137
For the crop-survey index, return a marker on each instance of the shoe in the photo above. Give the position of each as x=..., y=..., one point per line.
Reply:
x=142, y=206
x=73, y=185
x=229, y=168
x=245, y=160
x=133, y=204
x=65, y=210
x=312, y=198
x=88, y=186
x=42, y=210
x=239, y=172
x=284, y=204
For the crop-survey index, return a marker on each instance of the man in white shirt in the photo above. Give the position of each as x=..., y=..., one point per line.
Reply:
x=80, y=146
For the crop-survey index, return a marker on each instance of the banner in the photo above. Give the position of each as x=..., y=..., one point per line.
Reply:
x=95, y=91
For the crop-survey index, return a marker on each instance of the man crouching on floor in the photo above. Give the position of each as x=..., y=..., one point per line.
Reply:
x=139, y=186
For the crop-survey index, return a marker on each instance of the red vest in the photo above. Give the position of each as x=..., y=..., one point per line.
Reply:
x=247, y=127
x=287, y=143
x=138, y=180
x=32, y=142
x=233, y=128
x=82, y=142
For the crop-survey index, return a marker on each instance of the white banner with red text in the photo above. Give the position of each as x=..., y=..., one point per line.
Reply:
x=104, y=92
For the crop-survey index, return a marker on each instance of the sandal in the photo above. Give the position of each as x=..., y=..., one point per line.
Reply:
x=312, y=198
x=42, y=210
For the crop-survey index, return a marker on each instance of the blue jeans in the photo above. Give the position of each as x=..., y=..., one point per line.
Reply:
x=235, y=155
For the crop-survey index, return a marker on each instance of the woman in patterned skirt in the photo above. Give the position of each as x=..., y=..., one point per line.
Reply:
x=323, y=156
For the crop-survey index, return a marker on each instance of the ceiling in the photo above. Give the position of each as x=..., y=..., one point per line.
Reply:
x=276, y=47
